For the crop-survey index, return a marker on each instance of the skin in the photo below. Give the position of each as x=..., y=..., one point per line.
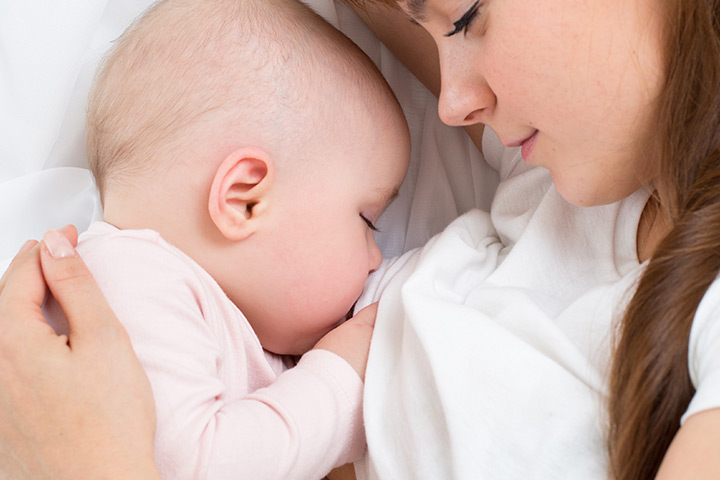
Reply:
x=311, y=223
x=503, y=68
x=317, y=231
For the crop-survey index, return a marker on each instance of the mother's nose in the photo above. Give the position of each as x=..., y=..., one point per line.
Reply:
x=465, y=97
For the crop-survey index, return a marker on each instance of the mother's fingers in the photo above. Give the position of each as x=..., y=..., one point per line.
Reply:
x=23, y=290
x=23, y=250
x=71, y=233
x=68, y=230
x=89, y=317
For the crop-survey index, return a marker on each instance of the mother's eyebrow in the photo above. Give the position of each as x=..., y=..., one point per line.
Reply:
x=416, y=8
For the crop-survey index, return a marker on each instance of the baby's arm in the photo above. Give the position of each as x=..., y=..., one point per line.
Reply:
x=306, y=421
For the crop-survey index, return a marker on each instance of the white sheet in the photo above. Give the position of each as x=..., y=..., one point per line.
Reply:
x=48, y=53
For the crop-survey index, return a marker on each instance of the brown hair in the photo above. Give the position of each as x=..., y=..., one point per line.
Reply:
x=650, y=386
x=362, y=3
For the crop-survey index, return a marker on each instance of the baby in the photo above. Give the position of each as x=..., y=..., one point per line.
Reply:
x=243, y=150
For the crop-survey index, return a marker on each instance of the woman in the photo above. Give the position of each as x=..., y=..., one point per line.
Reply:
x=610, y=98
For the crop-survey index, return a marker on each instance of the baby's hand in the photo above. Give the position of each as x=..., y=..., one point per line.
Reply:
x=351, y=340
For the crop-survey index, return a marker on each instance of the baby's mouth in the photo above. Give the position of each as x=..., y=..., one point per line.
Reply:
x=350, y=313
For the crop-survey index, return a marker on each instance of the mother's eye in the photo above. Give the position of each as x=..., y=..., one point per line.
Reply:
x=463, y=24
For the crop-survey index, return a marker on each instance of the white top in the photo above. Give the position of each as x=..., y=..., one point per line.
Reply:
x=225, y=407
x=704, y=353
x=491, y=347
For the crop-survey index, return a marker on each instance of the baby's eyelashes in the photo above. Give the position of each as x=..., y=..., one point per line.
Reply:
x=370, y=225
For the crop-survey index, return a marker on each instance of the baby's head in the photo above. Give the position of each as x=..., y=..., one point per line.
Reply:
x=260, y=141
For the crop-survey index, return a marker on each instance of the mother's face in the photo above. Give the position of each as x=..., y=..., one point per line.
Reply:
x=572, y=81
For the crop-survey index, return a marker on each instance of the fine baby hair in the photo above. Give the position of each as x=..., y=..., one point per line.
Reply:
x=186, y=70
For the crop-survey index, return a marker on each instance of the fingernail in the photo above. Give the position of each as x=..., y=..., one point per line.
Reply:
x=58, y=245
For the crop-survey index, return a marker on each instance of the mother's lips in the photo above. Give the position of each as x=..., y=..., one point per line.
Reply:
x=518, y=143
x=528, y=145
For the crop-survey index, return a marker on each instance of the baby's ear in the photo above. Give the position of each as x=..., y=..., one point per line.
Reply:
x=239, y=192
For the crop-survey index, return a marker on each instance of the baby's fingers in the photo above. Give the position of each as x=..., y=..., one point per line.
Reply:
x=366, y=315
x=351, y=340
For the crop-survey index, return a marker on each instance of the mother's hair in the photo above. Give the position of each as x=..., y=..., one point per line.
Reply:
x=650, y=386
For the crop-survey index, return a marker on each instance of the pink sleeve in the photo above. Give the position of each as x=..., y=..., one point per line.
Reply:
x=303, y=424
x=308, y=421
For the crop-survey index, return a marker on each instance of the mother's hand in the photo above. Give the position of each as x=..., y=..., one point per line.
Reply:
x=76, y=406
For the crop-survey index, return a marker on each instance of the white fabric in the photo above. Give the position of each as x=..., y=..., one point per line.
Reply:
x=48, y=54
x=489, y=357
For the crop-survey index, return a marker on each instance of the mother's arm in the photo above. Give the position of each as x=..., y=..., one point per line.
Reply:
x=411, y=44
x=75, y=407
x=693, y=453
